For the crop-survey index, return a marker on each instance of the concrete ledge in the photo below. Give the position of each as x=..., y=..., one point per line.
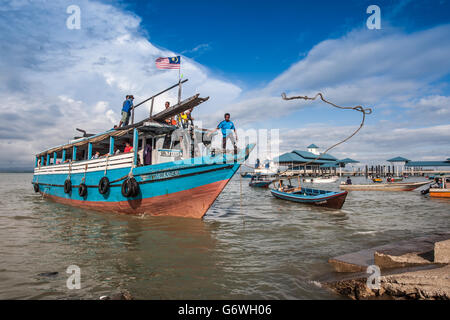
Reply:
x=442, y=251
x=417, y=251
x=430, y=282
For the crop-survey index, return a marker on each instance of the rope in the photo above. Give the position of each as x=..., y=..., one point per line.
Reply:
x=364, y=111
x=106, y=166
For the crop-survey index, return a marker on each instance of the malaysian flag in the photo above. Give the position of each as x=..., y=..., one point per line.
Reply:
x=168, y=63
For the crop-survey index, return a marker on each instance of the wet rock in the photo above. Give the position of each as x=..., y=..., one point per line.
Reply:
x=424, y=284
x=48, y=274
x=125, y=295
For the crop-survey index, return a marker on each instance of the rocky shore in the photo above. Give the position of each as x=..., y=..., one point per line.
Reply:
x=411, y=269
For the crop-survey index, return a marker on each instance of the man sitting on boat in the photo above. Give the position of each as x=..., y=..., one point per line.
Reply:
x=226, y=126
x=126, y=110
x=128, y=148
x=349, y=181
x=170, y=121
x=96, y=155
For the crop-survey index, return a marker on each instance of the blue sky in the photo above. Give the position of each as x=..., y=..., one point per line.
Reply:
x=242, y=54
x=252, y=42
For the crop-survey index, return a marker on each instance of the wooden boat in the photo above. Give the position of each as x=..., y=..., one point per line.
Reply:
x=246, y=175
x=442, y=191
x=261, y=181
x=174, y=179
x=321, y=180
x=394, y=179
x=393, y=186
x=322, y=198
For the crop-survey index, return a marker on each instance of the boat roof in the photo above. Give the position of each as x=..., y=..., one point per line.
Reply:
x=154, y=124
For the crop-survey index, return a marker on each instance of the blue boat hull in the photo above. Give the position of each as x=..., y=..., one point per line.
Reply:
x=185, y=188
x=322, y=198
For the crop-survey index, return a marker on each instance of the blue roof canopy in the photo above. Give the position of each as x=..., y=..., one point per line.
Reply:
x=310, y=156
x=398, y=159
x=347, y=160
x=300, y=157
x=428, y=164
x=330, y=165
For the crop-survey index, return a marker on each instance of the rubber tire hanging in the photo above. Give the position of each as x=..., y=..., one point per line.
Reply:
x=36, y=187
x=130, y=187
x=67, y=186
x=103, y=185
x=82, y=189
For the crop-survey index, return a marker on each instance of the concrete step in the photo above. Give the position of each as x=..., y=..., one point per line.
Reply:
x=412, y=252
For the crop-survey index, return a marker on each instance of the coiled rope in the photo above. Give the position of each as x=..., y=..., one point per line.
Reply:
x=364, y=112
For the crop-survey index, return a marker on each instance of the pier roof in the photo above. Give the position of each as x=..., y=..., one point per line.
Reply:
x=299, y=157
x=330, y=165
x=347, y=160
x=428, y=164
x=311, y=156
x=398, y=159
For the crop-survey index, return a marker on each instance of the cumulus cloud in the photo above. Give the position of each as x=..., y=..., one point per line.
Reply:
x=55, y=79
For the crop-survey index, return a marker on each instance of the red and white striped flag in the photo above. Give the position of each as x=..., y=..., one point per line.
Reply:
x=168, y=63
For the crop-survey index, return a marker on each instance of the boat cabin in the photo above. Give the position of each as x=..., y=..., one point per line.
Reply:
x=150, y=141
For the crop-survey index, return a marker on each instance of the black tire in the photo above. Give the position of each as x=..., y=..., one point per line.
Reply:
x=135, y=186
x=82, y=190
x=36, y=187
x=130, y=187
x=67, y=186
x=103, y=185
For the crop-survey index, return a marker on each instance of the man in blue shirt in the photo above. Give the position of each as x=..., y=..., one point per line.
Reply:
x=226, y=126
x=126, y=110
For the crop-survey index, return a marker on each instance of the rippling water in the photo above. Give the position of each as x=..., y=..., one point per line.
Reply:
x=249, y=246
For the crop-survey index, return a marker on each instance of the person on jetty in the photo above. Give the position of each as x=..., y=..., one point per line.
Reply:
x=126, y=110
x=226, y=126
x=170, y=121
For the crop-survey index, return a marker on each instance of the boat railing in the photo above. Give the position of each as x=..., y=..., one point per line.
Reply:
x=123, y=160
x=152, y=98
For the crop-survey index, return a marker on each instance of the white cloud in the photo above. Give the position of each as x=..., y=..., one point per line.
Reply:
x=54, y=79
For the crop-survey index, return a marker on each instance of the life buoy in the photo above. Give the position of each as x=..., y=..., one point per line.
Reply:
x=67, y=186
x=103, y=185
x=36, y=187
x=82, y=189
x=130, y=187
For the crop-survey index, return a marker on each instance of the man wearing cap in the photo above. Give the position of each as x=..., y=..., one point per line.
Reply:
x=126, y=110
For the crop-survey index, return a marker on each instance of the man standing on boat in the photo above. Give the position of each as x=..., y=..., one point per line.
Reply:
x=126, y=110
x=226, y=126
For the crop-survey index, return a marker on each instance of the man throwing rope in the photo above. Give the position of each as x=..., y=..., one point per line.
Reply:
x=227, y=126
